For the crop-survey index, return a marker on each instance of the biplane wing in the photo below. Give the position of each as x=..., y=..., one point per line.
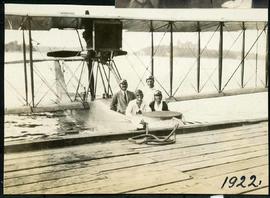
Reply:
x=46, y=17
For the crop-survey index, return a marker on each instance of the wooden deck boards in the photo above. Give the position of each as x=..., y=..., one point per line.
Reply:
x=197, y=163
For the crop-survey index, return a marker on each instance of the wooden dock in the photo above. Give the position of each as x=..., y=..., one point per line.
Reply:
x=197, y=163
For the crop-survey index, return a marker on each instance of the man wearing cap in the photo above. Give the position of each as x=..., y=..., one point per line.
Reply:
x=149, y=90
x=122, y=98
x=158, y=104
x=137, y=106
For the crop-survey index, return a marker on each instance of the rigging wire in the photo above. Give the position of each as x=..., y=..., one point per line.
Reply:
x=39, y=88
x=191, y=84
x=79, y=81
x=42, y=97
x=256, y=64
x=73, y=76
x=159, y=43
x=132, y=66
x=56, y=93
x=72, y=73
x=51, y=90
x=176, y=62
x=153, y=54
x=251, y=76
x=156, y=50
x=147, y=69
x=37, y=47
x=80, y=41
x=243, y=59
x=16, y=91
x=141, y=78
x=228, y=30
x=47, y=84
x=44, y=81
x=212, y=73
x=189, y=71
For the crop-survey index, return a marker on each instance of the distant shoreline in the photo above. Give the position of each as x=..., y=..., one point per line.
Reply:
x=187, y=50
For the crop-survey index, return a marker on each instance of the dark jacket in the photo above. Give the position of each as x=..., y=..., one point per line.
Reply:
x=118, y=102
x=164, y=106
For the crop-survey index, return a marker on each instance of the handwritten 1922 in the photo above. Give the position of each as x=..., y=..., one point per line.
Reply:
x=242, y=182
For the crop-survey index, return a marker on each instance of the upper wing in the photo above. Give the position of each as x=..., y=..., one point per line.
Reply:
x=45, y=17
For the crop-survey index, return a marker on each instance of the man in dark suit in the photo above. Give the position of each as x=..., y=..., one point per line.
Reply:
x=158, y=104
x=121, y=98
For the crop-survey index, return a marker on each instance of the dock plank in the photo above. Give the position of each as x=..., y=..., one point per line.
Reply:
x=68, y=157
x=72, y=174
x=83, y=153
x=204, y=160
x=203, y=140
x=234, y=131
x=202, y=149
x=45, y=152
x=132, y=179
x=213, y=184
x=58, y=178
x=217, y=161
x=228, y=167
x=197, y=163
x=190, y=152
x=259, y=191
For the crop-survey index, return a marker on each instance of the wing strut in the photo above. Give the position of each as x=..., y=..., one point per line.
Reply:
x=171, y=58
x=248, y=51
x=266, y=60
x=152, y=47
x=243, y=55
x=25, y=70
x=31, y=63
x=220, y=58
x=199, y=58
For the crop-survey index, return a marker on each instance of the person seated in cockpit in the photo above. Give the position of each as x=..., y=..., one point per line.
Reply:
x=158, y=104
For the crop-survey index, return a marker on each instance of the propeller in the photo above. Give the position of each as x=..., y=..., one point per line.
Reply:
x=64, y=53
x=94, y=54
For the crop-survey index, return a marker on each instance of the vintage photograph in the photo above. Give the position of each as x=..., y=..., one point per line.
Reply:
x=103, y=99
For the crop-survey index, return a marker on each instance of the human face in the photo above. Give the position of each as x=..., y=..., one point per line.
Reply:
x=123, y=86
x=158, y=99
x=150, y=83
x=139, y=98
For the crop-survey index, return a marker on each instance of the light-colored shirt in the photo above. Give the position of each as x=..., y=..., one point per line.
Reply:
x=148, y=94
x=158, y=107
x=133, y=108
